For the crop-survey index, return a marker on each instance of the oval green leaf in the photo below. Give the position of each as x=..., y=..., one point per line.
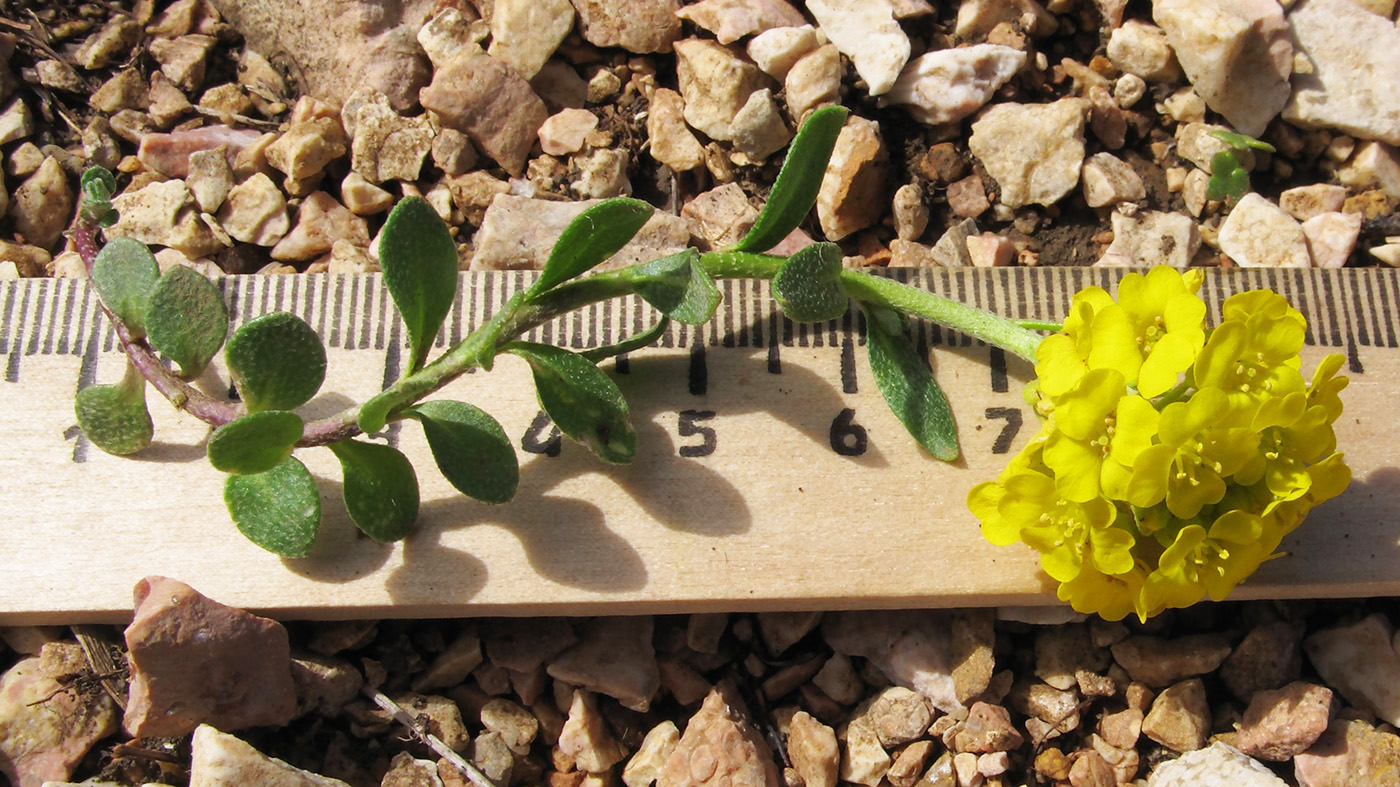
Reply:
x=595, y=235
x=124, y=274
x=419, y=260
x=808, y=286
x=381, y=489
x=584, y=402
x=471, y=449
x=277, y=362
x=114, y=417
x=677, y=286
x=255, y=443
x=795, y=191
x=187, y=319
x=910, y=390
x=279, y=510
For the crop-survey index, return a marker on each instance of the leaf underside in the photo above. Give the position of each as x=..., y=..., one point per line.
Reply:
x=808, y=286
x=677, y=286
x=124, y=274
x=114, y=417
x=910, y=390
x=795, y=191
x=584, y=402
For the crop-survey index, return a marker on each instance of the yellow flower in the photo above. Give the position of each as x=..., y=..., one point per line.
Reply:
x=1098, y=432
x=1110, y=596
x=1202, y=561
x=1194, y=456
x=1253, y=354
x=1153, y=332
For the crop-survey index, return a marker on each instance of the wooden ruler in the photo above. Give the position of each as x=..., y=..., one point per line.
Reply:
x=769, y=475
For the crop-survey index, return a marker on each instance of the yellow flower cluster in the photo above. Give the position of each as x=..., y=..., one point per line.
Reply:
x=1171, y=459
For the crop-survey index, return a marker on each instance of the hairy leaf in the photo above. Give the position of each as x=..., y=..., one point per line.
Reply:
x=124, y=274
x=97, y=186
x=677, y=286
x=595, y=235
x=277, y=361
x=279, y=510
x=808, y=286
x=187, y=319
x=419, y=260
x=1240, y=141
x=584, y=402
x=644, y=339
x=381, y=489
x=795, y=191
x=114, y=417
x=255, y=443
x=910, y=390
x=471, y=449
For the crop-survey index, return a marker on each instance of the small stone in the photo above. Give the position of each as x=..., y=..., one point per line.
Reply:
x=305, y=149
x=1375, y=164
x=255, y=211
x=16, y=122
x=814, y=80
x=1354, y=85
x=42, y=205
x=1128, y=90
x=1304, y=202
x=516, y=726
x=451, y=31
x=1033, y=151
x=1109, y=180
x=1237, y=55
x=987, y=728
x=981, y=17
x=909, y=764
x=851, y=196
x=46, y=726
x=638, y=26
x=813, y=750
x=1268, y=657
x=948, y=85
x=1061, y=651
x=406, y=771
x=1185, y=106
x=645, y=766
x=1218, y=763
x=346, y=257
x=1388, y=253
x=715, y=83
x=452, y=152
x=910, y=212
x=24, y=160
x=1350, y=752
x=439, y=716
x=473, y=193
x=226, y=99
x=218, y=759
x=28, y=261
x=731, y=20
x=321, y=220
x=758, y=129
x=182, y=59
x=1141, y=49
x=489, y=753
x=362, y=197
x=126, y=90
x=603, y=85
x=1359, y=662
x=525, y=33
x=1122, y=729
x=1331, y=238
x=897, y=716
x=720, y=748
x=1282, y=723
x=384, y=145
x=867, y=33
x=1258, y=234
x=602, y=174
x=863, y=759
x=967, y=198
x=781, y=630
x=57, y=75
x=1148, y=238
x=990, y=250
x=169, y=154
x=451, y=666
x=495, y=107
x=965, y=769
x=1047, y=703
x=776, y=51
x=196, y=661
x=1179, y=718
x=210, y=179
x=614, y=656
x=564, y=132
x=324, y=685
x=672, y=143
x=165, y=214
x=1162, y=662
x=111, y=43
x=838, y=679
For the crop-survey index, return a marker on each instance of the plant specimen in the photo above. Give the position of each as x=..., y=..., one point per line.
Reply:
x=1229, y=180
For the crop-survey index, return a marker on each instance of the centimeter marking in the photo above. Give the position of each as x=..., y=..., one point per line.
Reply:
x=1346, y=309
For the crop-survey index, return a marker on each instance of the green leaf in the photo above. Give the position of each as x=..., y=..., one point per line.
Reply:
x=644, y=339
x=1240, y=141
x=97, y=186
x=114, y=417
x=279, y=510
x=419, y=260
x=255, y=443
x=124, y=274
x=187, y=319
x=910, y=390
x=677, y=286
x=471, y=449
x=808, y=286
x=795, y=191
x=595, y=235
x=277, y=361
x=584, y=402
x=381, y=489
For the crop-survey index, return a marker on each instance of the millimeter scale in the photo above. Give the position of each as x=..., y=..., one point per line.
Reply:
x=769, y=475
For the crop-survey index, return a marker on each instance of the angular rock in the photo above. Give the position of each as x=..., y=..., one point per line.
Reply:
x=524, y=645
x=1108, y=180
x=1269, y=656
x=638, y=26
x=851, y=196
x=1237, y=55
x=384, y=145
x=182, y=59
x=439, y=716
x=716, y=84
x=909, y=763
x=1148, y=238
x=1128, y=90
x=518, y=233
x=1331, y=238
x=1282, y=723
x=1033, y=151
x=516, y=726
x=731, y=20
x=113, y=41
x=863, y=759
x=990, y=250
x=305, y=149
x=1179, y=718
x=866, y=32
x=1374, y=164
x=321, y=221
x=988, y=728
x=324, y=685
x=255, y=211
x=896, y=715
x=967, y=198
x=1141, y=49
x=602, y=174
x=43, y=204
x=362, y=197
x=47, y=726
x=1048, y=704
x=1359, y=661
x=164, y=214
x=1304, y=202
x=218, y=759
x=406, y=771
x=586, y=739
x=978, y=18
x=485, y=99
x=169, y=154
x=454, y=30
x=524, y=33
x=210, y=179
x=1161, y=662
x=917, y=650
x=1218, y=763
x=1060, y=651
x=1350, y=752
x=758, y=129
x=614, y=656
x=776, y=51
x=195, y=661
x=1355, y=80
x=1259, y=234
x=782, y=630
x=645, y=766
x=948, y=85
x=671, y=142
x=720, y=748
x=563, y=133
x=813, y=750
x=29, y=261
x=453, y=152
x=813, y=81
x=16, y=122
x=126, y=90
x=452, y=666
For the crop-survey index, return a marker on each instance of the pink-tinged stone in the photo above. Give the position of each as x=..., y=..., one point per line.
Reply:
x=194, y=660
x=169, y=154
x=990, y=250
x=638, y=26
x=46, y=727
x=321, y=221
x=731, y=20
x=720, y=748
x=1350, y=753
x=613, y=656
x=1282, y=723
x=852, y=194
x=489, y=102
